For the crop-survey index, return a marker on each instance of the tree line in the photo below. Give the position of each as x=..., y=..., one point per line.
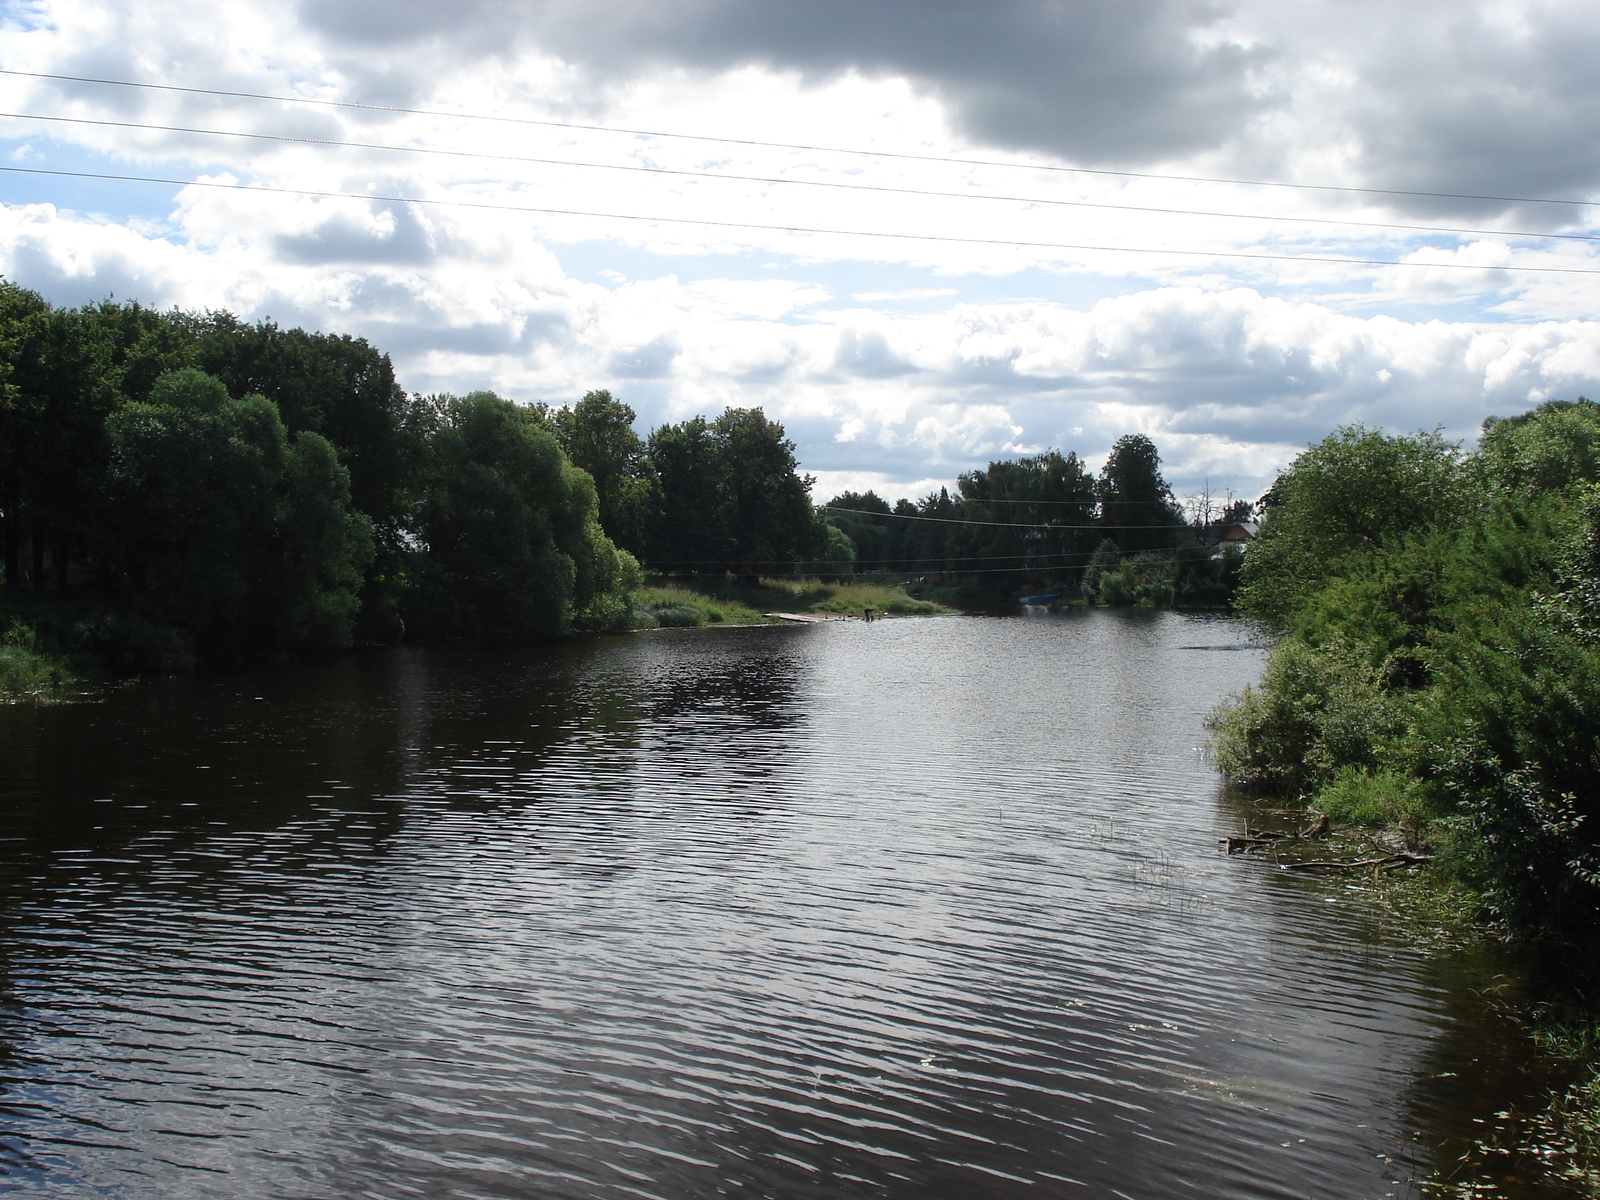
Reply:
x=1047, y=523
x=179, y=488
x=1437, y=658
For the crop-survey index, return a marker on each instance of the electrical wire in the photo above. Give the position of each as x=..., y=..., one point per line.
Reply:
x=483, y=205
x=727, y=141
x=938, y=565
x=997, y=524
x=758, y=562
x=335, y=143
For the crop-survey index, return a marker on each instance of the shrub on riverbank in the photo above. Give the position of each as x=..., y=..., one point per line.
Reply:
x=1437, y=669
x=25, y=670
x=1438, y=656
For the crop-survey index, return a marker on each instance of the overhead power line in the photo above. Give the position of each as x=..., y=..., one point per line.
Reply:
x=484, y=205
x=727, y=141
x=1031, y=555
x=636, y=168
x=908, y=565
x=999, y=524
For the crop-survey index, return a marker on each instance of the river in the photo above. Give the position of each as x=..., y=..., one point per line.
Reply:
x=914, y=908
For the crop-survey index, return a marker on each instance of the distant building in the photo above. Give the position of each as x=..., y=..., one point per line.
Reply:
x=1239, y=533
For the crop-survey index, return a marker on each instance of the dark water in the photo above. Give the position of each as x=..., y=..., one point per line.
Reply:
x=910, y=909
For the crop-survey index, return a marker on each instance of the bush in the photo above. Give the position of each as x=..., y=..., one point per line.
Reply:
x=24, y=669
x=1315, y=710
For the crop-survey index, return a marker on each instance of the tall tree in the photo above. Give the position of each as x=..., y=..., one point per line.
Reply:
x=688, y=532
x=334, y=385
x=512, y=548
x=597, y=434
x=771, y=522
x=1137, y=510
x=1040, y=513
x=865, y=519
x=1353, y=492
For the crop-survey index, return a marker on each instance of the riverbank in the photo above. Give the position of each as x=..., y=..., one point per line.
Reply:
x=1551, y=1140
x=26, y=672
x=667, y=602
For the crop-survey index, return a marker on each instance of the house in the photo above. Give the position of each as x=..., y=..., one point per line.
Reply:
x=1239, y=533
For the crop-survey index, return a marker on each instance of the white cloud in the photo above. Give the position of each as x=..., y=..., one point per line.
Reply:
x=892, y=359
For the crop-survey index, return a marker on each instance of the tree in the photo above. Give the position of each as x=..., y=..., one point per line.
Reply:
x=225, y=537
x=1137, y=510
x=1039, y=512
x=864, y=520
x=688, y=530
x=69, y=369
x=771, y=521
x=333, y=385
x=324, y=547
x=192, y=478
x=597, y=434
x=1554, y=446
x=512, y=548
x=1353, y=492
x=731, y=498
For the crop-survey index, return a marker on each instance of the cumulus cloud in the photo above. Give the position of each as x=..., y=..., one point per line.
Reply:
x=1228, y=382
x=889, y=359
x=1483, y=99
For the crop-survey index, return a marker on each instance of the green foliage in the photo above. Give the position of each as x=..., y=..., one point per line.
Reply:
x=718, y=600
x=1106, y=561
x=1552, y=447
x=1356, y=491
x=770, y=518
x=597, y=434
x=1511, y=734
x=193, y=476
x=1359, y=796
x=1568, y=1129
x=688, y=532
x=1137, y=510
x=1042, y=511
x=223, y=532
x=731, y=498
x=1440, y=658
x=1147, y=579
x=512, y=548
x=325, y=547
x=1206, y=577
x=864, y=518
x=1316, y=709
x=25, y=670
x=333, y=385
x=838, y=555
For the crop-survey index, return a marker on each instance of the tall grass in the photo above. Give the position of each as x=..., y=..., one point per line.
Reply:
x=25, y=670
x=716, y=601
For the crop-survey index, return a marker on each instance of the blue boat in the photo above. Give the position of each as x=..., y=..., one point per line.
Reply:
x=1040, y=599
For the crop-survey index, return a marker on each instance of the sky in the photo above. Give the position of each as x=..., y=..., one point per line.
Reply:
x=922, y=234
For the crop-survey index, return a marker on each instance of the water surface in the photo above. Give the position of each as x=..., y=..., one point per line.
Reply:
x=902, y=909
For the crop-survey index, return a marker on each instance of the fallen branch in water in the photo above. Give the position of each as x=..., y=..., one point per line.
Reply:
x=1261, y=837
x=1399, y=859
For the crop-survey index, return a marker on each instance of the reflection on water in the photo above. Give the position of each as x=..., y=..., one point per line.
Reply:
x=914, y=908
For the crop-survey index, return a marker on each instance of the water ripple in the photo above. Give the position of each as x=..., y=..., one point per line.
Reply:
x=902, y=909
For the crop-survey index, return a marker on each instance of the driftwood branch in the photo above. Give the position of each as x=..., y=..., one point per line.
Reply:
x=1251, y=838
x=1387, y=862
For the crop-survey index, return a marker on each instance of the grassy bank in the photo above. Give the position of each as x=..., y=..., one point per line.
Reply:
x=665, y=603
x=28, y=670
